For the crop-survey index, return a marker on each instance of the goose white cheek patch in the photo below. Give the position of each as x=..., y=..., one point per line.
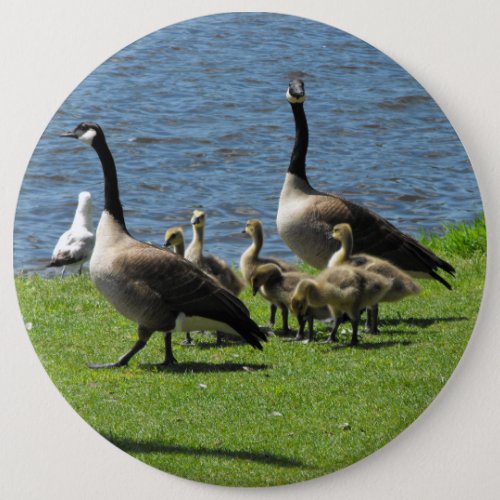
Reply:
x=88, y=136
x=294, y=100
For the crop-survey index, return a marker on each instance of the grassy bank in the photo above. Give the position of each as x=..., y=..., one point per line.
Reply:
x=235, y=416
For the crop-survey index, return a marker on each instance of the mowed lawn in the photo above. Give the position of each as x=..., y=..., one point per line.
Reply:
x=233, y=415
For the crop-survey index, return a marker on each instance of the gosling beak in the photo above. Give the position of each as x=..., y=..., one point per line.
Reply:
x=69, y=134
x=255, y=289
x=166, y=244
x=195, y=220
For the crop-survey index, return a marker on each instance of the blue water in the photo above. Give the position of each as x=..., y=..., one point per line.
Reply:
x=196, y=116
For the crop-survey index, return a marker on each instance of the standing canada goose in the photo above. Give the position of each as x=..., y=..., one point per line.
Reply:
x=250, y=258
x=277, y=287
x=305, y=216
x=75, y=246
x=401, y=284
x=345, y=290
x=152, y=286
x=211, y=264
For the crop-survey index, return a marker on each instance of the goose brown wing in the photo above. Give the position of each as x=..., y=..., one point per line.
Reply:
x=375, y=235
x=185, y=288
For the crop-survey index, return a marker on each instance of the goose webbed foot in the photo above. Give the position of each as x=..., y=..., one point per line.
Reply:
x=188, y=341
x=123, y=361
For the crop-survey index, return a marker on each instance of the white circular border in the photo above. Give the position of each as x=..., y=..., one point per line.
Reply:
x=451, y=47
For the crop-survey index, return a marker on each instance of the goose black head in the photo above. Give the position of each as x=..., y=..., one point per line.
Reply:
x=296, y=93
x=87, y=132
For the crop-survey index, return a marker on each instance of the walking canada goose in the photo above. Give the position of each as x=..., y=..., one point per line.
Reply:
x=75, y=246
x=305, y=216
x=250, y=258
x=345, y=290
x=277, y=287
x=211, y=264
x=152, y=286
x=401, y=284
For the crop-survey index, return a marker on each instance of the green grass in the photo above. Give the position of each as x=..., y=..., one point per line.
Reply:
x=232, y=415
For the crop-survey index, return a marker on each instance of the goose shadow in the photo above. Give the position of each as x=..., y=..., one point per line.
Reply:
x=142, y=446
x=369, y=346
x=421, y=322
x=202, y=367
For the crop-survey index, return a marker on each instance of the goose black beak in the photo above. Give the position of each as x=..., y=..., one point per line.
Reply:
x=195, y=220
x=166, y=244
x=69, y=134
x=255, y=289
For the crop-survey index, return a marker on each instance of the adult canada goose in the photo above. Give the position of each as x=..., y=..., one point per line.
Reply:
x=277, y=287
x=305, y=216
x=251, y=258
x=152, y=286
x=75, y=246
x=211, y=264
x=401, y=283
x=175, y=237
x=344, y=289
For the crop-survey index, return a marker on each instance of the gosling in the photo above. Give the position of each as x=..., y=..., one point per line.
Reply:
x=277, y=287
x=345, y=290
x=250, y=259
x=402, y=284
x=211, y=264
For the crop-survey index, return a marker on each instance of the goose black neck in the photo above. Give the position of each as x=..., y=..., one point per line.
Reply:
x=298, y=159
x=112, y=202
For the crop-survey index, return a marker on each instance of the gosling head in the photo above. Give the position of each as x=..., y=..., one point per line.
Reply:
x=198, y=218
x=262, y=275
x=252, y=227
x=296, y=93
x=174, y=236
x=89, y=133
x=299, y=303
x=341, y=231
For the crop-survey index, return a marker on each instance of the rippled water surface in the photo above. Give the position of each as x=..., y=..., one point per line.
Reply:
x=196, y=116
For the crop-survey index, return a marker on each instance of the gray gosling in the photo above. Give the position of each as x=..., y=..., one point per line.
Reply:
x=211, y=264
x=153, y=287
x=277, y=287
x=174, y=237
x=401, y=284
x=251, y=258
x=345, y=290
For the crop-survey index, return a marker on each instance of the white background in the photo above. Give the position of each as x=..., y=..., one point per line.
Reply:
x=452, y=47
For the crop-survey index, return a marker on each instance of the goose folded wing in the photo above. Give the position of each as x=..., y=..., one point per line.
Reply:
x=375, y=235
x=185, y=288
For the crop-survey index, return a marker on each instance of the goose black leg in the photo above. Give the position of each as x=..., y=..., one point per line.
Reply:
x=188, y=340
x=302, y=324
x=354, y=339
x=333, y=335
x=272, y=315
x=284, y=315
x=169, y=355
x=123, y=361
x=310, y=322
x=372, y=320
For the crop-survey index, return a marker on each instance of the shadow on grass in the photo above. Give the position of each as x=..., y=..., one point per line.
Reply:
x=421, y=322
x=136, y=446
x=202, y=367
x=375, y=345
